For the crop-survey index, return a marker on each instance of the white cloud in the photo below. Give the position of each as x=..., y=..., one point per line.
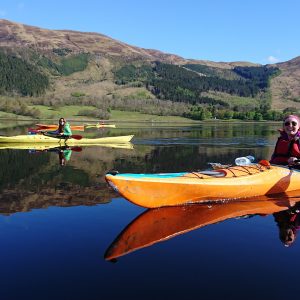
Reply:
x=272, y=59
x=2, y=13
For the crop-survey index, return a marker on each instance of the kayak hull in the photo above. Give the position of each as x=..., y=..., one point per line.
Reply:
x=157, y=190
x=42, y=146
x=38, y=138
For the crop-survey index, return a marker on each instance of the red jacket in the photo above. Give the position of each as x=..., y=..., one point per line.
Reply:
x=285, y=149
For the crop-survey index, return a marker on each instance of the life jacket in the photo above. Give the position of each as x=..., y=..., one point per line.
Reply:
x=285, y=149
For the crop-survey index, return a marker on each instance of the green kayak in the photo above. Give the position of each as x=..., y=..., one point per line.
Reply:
x=37, y=138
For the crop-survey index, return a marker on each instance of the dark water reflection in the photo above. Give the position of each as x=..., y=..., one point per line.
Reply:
x=60, y=226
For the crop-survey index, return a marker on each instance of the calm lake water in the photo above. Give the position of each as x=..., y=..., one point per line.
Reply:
x=58, y=224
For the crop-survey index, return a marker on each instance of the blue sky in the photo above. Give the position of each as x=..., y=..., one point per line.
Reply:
x=260, y=31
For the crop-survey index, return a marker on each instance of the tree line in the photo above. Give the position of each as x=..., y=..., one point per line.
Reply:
x=18, y=76
x=179, y=84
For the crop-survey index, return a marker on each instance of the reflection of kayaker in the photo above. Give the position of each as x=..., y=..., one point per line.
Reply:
x=157, y=225
x=64, y=152
x=288, y=222
x=64, y=155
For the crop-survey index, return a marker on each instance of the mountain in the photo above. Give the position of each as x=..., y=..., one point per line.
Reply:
x=14, y=36
x=54, y=67
x=285, y=88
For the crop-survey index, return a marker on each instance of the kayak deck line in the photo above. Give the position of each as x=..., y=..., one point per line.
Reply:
x=233, y=171
x=234, y=182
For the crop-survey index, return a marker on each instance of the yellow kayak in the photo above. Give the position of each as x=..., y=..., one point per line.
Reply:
x=38, y=138
x=235, y=182
x=42, y=146
x=99, y=125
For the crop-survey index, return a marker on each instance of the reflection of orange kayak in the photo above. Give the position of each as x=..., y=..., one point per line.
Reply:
x=160, y=224
x=54, y=127
x=157, y=190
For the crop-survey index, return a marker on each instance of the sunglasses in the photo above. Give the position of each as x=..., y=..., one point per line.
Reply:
x=290, y=123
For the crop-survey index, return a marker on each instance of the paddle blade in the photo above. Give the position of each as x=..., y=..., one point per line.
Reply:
x=76, y=136
x=40, y=127
x=32, y=130
x=76, y=149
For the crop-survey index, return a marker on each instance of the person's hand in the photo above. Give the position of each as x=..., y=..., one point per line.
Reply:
x=293, y=161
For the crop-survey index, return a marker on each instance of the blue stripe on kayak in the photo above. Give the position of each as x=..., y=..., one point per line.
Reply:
x=162, y=175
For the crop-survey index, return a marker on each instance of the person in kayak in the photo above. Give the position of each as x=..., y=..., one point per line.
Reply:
x=63, y=131
x=287, y=149
x=64, y=127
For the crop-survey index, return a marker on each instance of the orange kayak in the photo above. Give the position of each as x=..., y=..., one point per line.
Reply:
x=234, y=182
x=54, y=127
x=157, y=225
x=75, y=127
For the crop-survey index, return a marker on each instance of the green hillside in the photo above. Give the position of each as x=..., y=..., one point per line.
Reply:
x=42, y=68
x=18, y=76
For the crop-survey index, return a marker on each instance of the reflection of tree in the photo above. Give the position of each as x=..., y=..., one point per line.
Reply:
x=63, y=195
x=178, y=158
x=17, y=165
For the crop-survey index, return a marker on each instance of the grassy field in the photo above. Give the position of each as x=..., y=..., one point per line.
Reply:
x=71, y=113
x=5, y=115
x=117, y=115
x=232, y=100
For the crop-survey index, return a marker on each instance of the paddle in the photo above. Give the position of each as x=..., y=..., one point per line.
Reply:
x=73, y=136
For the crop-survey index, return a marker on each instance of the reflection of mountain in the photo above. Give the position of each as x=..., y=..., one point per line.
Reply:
x=156, y=225
x=23, y=169
x=63, y=195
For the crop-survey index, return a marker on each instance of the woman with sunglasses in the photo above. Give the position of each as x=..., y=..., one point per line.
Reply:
x=287, y=149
